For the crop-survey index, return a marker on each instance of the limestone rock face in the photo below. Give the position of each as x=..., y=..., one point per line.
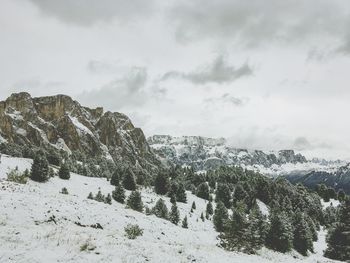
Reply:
x=62, y=123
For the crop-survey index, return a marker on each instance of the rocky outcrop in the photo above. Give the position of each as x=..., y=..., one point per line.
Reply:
x=62, y=123
x=209, y=153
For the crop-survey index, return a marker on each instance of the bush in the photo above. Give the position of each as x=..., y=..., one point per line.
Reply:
x=64, y=173
x=160, y=209
x=134, y=201
x=64, y=191
x=133, y=231
x=17, y=177
x=40, y=168
x=119, y=194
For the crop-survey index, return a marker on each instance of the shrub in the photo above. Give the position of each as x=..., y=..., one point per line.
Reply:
x=17, y=177
x=64, y=191
x=133, y=231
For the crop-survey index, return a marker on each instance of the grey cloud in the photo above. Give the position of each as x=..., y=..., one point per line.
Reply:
x=255, y=22
x=226, y=98
x=103, y=67
x=126, y=91
x=88, y=12
x=217, y=72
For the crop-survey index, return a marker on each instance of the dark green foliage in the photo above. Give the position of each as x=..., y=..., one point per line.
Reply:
x=40, y=168
x=203, y=191
x=280, y=235
x=239, y=194
x=134, y=201
x=108, y=199
x=220, y=216
x=129, y=182
x=64, y=191
x=202, y=216
x=172, y=199
x=193, y=206
x=90, y=196
x=115, y=179
x=133, y=231
x=256, y=231
x=174, y=215
x=341, y=195
x=53, y=157
x=302, y=241
x=99, y=197
x=338, y=238
x=184, y=222
x=160, y=209
x=181, y=194
x=64, y=172
x=119, y=194
x=223, y=194
x=209, y=209
x=161, y=183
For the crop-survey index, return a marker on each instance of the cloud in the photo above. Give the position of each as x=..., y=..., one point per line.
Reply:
x=218, y=72
x=226, y=98
x=89, y=12
x=122, y=92
x=254, y=23
x=103, y=67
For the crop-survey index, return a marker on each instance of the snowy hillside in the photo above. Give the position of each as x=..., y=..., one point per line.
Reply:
x=39, y=224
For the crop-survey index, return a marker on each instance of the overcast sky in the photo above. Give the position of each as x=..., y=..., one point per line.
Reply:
x=265, y=74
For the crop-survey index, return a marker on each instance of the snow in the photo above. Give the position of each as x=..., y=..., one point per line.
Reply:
x=263, y=208
x=2, y=139
x=21, y=131
x=16, y=115
x=26, y=235
x=81, y=127
x=331, y=202
x=8, y=163
x=61, y=145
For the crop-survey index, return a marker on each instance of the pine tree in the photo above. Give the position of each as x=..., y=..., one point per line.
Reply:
x=256, y=231
x=134, y=201
x=209, y=209
x=302, y=241
x=99, y=197
x=172, y=199
x=203, y=191
x=223, y=194
x=64, y=172
x=40, y=168
x=119, y=194
x=108, y=199
x=160, y=209
x=280, y=235
x=338, y=238
x=181, y=194
x=161, y=183
x=115, y=179
x=129, y=182
x=90, y=196
x=341, y=195
x=220, y=216
x=184, y=222
x=235, y=236
x=193, y=206
x=202, y=216
x=174, y=215
x=239, y=194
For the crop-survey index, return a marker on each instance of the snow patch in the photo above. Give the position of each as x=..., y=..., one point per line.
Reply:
x=81, y=127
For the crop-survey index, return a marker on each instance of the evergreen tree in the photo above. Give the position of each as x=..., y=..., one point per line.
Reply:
x=119, y=194
x=203, y=191
x=115, y=179
x=90, y=196
x=174, y=215
x=209, y=209
x=181, y=194
x=134, y=201
x=338, y=238
x=184, y=222
x=160, y=209
x=220, y=216
x=239, y=194
x=99, y=197
x=341, y=195
x=108, y=199
x=302, y=241
x=40, y=168
x=161, y=183
x=172, y=199
x=193, y=206
x=235, y=236
x=129, y=182
x=280, y=235
x=223, y=194
x=257, y=230
x=202, y=216
x=64, y=172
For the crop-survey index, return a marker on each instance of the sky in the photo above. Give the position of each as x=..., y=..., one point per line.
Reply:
x=264, y=74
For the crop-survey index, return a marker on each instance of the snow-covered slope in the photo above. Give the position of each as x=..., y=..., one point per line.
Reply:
x=38, y=224
x=208, y=153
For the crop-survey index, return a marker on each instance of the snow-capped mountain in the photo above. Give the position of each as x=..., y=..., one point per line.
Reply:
x=61, y=123
x=208, y=153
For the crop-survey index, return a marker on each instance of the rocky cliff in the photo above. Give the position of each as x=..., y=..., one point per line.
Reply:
x=61, y=123
x=208, y=153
